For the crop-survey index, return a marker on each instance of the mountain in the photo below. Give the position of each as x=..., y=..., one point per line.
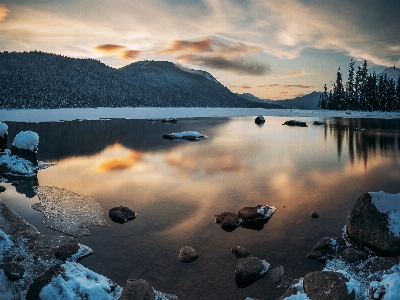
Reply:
x=309, y=101
x=42, y=80
x=391, y=73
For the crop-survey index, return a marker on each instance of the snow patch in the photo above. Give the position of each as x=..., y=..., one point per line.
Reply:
x=78, y=282
x=19, y=167
x=389, y=204
x=26, y=140
x=265, y=268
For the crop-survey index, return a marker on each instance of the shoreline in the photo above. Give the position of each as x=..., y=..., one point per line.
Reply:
x=69, y=114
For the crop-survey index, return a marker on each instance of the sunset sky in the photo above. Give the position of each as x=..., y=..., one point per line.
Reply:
x=271, y=49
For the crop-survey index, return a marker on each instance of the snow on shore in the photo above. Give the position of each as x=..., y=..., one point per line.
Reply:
x=48, y=115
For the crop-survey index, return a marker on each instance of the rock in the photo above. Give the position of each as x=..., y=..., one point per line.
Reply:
x=186, y=135
x=259, y=120
x=2, y=189
x=41, y=281
x=327, y=247
x=286, y=281
x=370, y=226
x=296, y=286
x=66, y=251
x=240, y=252
x=327, y=286
x=276, y=274
x=187, y=254
x=383, y=263
x=121, y=214
x=250, y=269
x=314, y=215
x=137, y=289
x=350, y=254
x=228, y=221
x=259, y=212
x=13, y=271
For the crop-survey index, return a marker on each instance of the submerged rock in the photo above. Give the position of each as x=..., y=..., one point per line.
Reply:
x=187, y=254
x=250, y=269
x=276, y=274
x=375, y=222
x=240, y=252
x=121, y=214
x=228, y=221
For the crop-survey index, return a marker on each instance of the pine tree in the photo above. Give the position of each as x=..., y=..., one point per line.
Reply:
x=323, y=99
x=350, y=93
x=338, y=92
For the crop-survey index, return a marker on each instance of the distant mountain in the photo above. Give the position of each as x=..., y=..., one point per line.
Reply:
x=43, y=80
x=309, y=101
x=391, y=73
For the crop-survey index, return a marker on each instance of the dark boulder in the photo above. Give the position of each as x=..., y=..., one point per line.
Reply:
x=259, y=120
x=121, y=214
x=276, y=274
x=2, y=189
x=13, y=271
x=228, y=221
x=383, y=263
x=137, y=289
x=66, y=251
x=240, y=252
x=187, y=254
x=327, y=286
x=369, y=225
x=250, y=269
x=25, y=154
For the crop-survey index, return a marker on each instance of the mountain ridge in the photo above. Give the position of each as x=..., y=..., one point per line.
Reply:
x=44, y=80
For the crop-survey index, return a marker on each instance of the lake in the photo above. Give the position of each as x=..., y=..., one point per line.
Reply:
x=177, y=187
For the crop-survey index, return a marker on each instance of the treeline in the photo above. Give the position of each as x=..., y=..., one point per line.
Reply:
x=363, y=91
x=43, y=80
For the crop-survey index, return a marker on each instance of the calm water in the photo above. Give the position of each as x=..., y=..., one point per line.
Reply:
x=177, y=187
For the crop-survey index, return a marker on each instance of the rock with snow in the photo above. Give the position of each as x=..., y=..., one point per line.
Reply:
x=228, y=221
x=73, y=281
x=255, y=213
x=259, y=120
x=240, y=252
x=295, y=290
x=13, y=166
x=187, y=254
x=169, y=120
x=121, y=214
x=383, y=263
x=295, y=123
x=137, y=289
x=375, y=222
x=25, y=145
x=185, y=135
x=327, y=285
x=250, y=269
x=327, y=247
x=72, y=252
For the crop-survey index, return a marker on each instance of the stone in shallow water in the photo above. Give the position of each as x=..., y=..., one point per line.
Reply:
x=68, y=212
x=121, y=214
x=276, y=274
x=187, y=254
x=240, y=252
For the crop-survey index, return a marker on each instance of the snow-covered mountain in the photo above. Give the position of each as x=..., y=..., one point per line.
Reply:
x=391, y=73
x=43, y=80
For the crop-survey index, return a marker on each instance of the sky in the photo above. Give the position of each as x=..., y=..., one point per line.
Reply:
x=271, y=49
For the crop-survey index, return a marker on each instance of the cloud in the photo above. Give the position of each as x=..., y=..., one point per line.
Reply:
x=130, y=54
x=121, y=163
x=237, y=65
x=244, y=86
x=293, y=73
x=203, y=45
x=3, y=12
x=109, y=48
x=286, y=86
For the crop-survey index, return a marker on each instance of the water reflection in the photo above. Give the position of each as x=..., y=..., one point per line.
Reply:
x=177, y=187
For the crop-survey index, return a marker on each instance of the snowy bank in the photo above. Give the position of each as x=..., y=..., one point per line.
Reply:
x=47, y=115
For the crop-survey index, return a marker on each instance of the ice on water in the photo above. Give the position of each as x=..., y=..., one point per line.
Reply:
x=68, y=212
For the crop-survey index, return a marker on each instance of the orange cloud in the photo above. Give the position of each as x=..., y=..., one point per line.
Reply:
x=320, y=74
x=293, y=73
x=3, y=12
x=244, y=86
x=109, y=48
x=121, y=163
x=130, y=54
